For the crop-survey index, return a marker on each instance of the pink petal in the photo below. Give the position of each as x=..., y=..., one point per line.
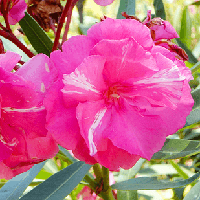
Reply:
x=81, y=152
x=103, y=2
x=61, y=121
x=140, y=133
x=74, y=51
x=175, y=119
x=165, y=31
x=93, y=118
x=40, y=71
x=86, y=82
x=16, y=92
x=115, y=158
x=41, y=148
x=9, y=60
x=5, y=150
x=164, y=88
x=124, y=59
x=17, y=12
x=118, y=29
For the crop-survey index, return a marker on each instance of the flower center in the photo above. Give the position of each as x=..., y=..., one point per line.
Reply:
x=112, y=95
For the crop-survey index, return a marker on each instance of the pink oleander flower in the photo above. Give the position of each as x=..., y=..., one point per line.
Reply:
x=120, y=97
x=160, y=29
x=162, y=32
x=103, y=2
x=16, y=10
x=24, y=140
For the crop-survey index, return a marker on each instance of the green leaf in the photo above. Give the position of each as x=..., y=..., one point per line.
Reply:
x=192, y=58
x=159, y=9
x=197, y=3
x=152, y=183
x=36, y=35
x=186, y=27
x=127, y=6
x=196, y=97
x=127, y=174
x=59, y=185
x=177, y=148
x=127, y=195
x=194, y=193
x=14, y=188
x=196, y=50
x=193, y=117
x=66, y=153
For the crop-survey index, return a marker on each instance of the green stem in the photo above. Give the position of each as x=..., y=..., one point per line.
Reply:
x=178, y=169
x=97, y=172
x=107, y=191
x=105, y=177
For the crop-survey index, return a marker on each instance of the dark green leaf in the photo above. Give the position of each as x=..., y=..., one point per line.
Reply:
x=152, y=183
x=127, y=195
x=196, y=97
x=197, y=3
x=177, y=148
x=193, y=117
x=186, y=27
x=194, y=193
x=14, y=188
x=159, y=9
x=192, y=59
x=59, y=185
x=36, y=35
x=127, y=6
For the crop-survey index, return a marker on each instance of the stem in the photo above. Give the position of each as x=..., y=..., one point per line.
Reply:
x=107, y=191
x=10, y=36
x=105, y=177
x=97, y=172
x=69, y=16
x=5, y=14
x=178, y=169
x=61, y=22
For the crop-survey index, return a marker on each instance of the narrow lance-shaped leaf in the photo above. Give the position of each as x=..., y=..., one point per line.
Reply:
x=14, y=188
x=127, y=6
x=177, y=148
x=186, y=27
x=193, y=117
x=59, y=185
x=159, y=9
x=127, y=195
x=36, y=35
x=194, y=193
x=152, y=183
x=196, y=97
x=192, y=58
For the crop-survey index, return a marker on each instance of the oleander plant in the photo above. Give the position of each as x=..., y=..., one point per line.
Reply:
x=100, y=100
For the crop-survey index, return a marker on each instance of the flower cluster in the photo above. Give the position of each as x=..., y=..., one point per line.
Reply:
x=111, y=97
x=24, y=140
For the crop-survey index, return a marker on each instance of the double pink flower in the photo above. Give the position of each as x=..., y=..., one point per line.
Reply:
x=24, y=140
x=120, y=96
